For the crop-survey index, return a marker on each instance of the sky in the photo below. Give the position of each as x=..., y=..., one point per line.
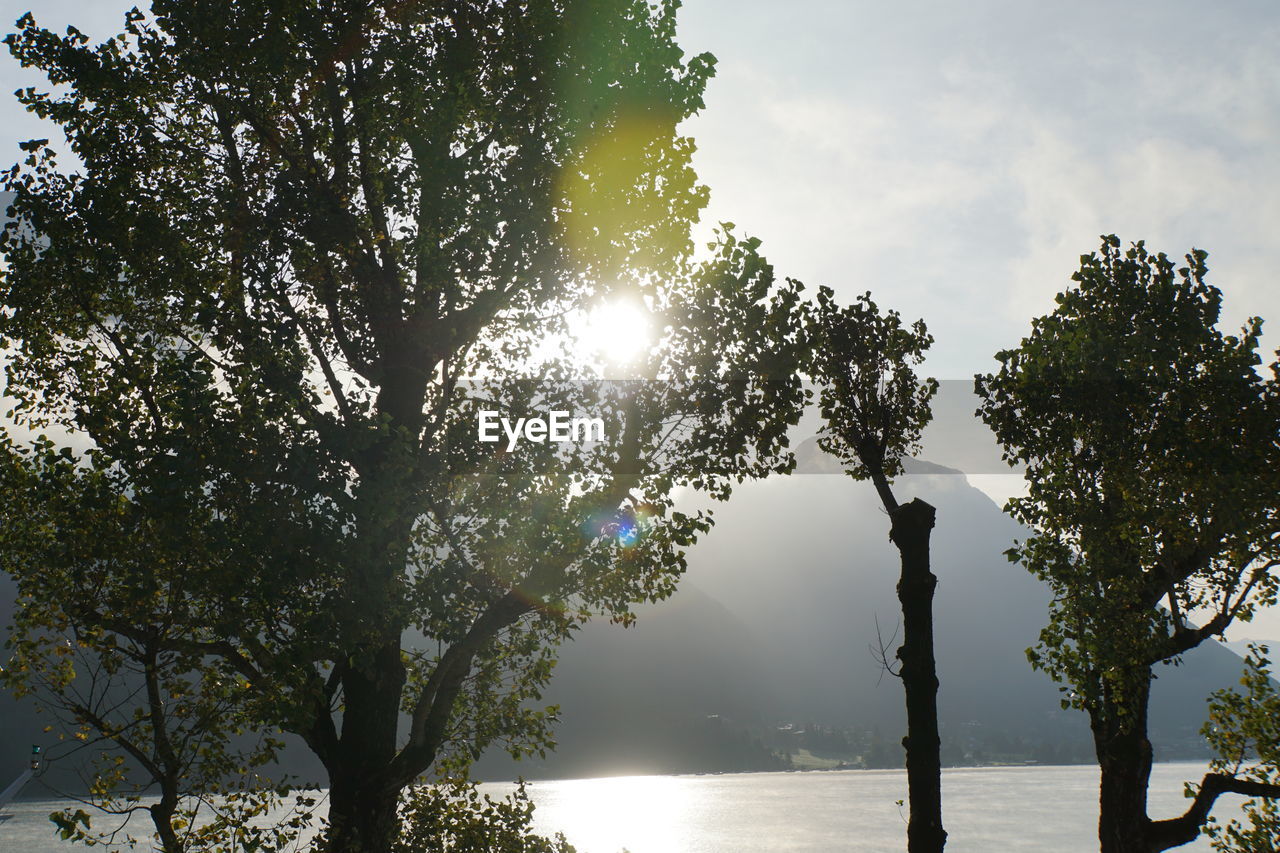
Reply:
x=957, y=159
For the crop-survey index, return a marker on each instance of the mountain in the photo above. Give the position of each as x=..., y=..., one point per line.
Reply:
x=1241, y=646
x=20, y=725
x=765, y=647
x=771, y=634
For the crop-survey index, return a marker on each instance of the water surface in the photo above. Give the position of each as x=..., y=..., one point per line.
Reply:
x=1042, y=809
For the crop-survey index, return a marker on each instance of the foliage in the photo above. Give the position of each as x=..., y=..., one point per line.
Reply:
x=1151, y=463
x=307, y=243
x=154, y=715
x=1244, y=731
x=454, y=817
x=873, y=404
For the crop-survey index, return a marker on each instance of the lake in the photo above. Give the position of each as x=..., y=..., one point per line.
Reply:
x=1048, y=809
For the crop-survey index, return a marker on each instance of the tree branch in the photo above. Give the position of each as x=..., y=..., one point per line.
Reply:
x=434, y=707
x=1177, y=831
x=1184, y=640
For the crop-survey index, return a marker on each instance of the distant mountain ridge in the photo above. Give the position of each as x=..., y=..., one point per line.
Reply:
x=774, y=623
x=771, y=629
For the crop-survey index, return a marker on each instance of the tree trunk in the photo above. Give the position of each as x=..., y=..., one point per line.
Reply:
x=362, y=819
x=162, y=816
x=362, y=802
x=1124, y=757
x=912, y=524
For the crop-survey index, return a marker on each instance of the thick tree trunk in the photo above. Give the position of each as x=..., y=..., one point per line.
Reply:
x=362, y=818
x=1124, y=757
x=362, y=799
x=912, y=525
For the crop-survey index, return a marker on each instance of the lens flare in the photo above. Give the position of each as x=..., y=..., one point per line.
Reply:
x=628, y=533
x=617, y=332
x=625, y=528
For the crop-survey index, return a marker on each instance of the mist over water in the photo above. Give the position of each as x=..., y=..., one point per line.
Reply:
x=1040, y=809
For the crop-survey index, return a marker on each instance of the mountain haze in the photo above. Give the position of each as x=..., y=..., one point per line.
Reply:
x=775, y=623
x=773, y=628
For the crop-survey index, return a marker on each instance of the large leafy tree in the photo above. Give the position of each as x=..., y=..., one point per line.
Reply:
x=304, y=244
x=874, y=408
x=1153, y=468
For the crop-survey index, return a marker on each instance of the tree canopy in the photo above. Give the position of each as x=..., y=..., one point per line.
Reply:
x=302, y=245
x=1150, y=444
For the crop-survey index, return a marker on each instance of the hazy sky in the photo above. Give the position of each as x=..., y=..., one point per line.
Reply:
x=957, y=159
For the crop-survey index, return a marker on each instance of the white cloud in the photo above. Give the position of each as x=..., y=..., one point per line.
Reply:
x=959, y=167
x=1175, y=195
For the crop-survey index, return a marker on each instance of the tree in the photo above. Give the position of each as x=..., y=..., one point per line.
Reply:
x=874, y=408
x=173, y=724
x=1149, y=441
x=1244, y=731
x=309, y=243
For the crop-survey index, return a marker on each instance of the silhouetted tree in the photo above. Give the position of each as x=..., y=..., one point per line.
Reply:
x=875, y=407
x=295, y=230
x=155, y=714
x=1153, y=471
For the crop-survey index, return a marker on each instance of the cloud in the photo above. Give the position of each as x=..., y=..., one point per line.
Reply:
x=958, y=165
x=1205, y=180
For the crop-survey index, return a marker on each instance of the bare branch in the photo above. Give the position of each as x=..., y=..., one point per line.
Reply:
x=880, y=651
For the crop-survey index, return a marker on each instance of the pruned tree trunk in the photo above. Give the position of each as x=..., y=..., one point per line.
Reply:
x=912, y=524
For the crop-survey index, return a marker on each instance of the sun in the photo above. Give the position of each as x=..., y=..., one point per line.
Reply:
x=617, y=332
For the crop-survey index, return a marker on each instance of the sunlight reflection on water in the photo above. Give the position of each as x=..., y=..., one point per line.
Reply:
x=1032, y=809
x=1041, y=809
